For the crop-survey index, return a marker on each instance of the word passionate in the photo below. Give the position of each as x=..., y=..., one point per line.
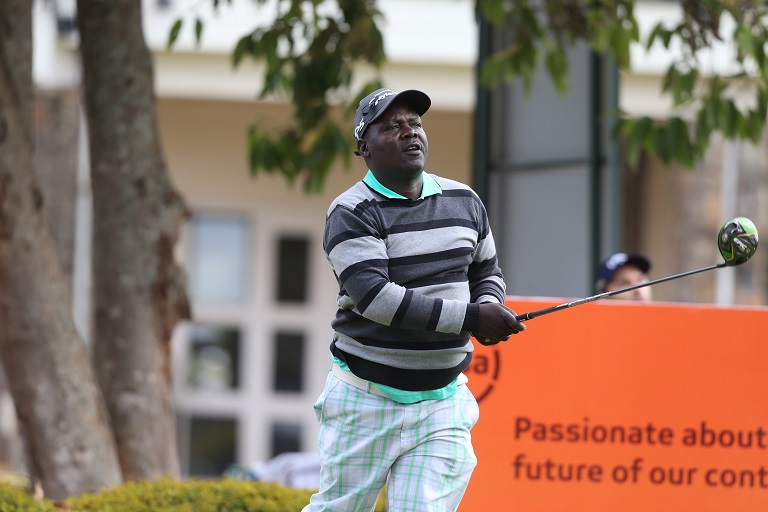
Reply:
x=526, y=429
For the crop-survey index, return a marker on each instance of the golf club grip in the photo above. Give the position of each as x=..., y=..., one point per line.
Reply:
x=533, y=314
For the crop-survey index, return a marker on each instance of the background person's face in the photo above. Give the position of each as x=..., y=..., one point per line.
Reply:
x=629, y=276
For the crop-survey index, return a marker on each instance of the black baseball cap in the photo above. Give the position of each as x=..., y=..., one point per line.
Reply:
x=609, y=266
x=373, y=105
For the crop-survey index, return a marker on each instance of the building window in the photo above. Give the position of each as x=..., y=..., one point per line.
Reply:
x=214, y=358
x=286, y=437
x=219, y=255
x=288, y=361
x=292, y=269
x=211, y=444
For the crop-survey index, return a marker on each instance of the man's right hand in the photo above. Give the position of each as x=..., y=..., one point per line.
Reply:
x=497, y=323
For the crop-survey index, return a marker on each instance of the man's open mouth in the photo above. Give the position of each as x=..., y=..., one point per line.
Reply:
x=412, y=147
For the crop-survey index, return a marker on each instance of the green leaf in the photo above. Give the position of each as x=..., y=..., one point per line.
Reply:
x=638, y=134
x=688, y=83
x=174, y=33
x=530, y=21
x=660, y=143
x=758, y=53
x=703, y=128
x=731, y=119
x=198, y=30
x=659, y=32
x=754, y=127
x=762, y=102
x=745, y=41
x=557, y=65
x=242, y=48
x=620, y=40
x=670, y=77
x=634, y=29
x=712, y=110
x=492, y=71
x=642, y=130
x=679, y=142
x=654, y=34
x=680, y=84
x=492, y=10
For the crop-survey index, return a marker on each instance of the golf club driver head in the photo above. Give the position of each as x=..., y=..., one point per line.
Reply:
x=737, y=241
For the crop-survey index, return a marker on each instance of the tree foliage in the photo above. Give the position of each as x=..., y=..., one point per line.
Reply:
x=705, y=101
x=310, y=50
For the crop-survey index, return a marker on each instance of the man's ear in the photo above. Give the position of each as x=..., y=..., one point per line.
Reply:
x=362, y=149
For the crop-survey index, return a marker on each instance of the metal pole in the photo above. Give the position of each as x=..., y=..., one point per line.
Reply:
x=725, y=282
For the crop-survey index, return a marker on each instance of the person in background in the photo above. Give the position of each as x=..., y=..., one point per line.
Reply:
x=622, y=270
x=417, y=270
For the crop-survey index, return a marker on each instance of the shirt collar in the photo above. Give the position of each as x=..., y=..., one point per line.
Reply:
x=429, y=186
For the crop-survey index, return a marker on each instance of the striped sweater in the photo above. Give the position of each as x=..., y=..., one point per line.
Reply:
x=411, y=275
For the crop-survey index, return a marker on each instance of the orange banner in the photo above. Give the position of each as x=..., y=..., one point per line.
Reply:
x=615, y=406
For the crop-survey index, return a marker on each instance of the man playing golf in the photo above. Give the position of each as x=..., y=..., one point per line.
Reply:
x=416, y=265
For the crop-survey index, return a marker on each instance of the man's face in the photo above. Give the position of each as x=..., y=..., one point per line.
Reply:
x=395, y=145
x=626, y=276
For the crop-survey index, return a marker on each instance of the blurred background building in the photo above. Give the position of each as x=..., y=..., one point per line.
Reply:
x=250, y=364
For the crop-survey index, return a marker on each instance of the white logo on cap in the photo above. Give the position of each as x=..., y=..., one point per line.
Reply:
x=373, y=102
x=381, y=96
x=616, y=261
x=359, y=128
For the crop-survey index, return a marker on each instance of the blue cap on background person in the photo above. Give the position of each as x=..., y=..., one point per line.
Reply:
x=612, y=264
x=373, y=105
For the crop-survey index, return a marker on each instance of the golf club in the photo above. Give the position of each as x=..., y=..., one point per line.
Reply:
x=737, y=242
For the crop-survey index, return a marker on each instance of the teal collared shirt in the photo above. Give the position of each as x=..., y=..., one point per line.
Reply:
x=411, y=397
x=429, y=186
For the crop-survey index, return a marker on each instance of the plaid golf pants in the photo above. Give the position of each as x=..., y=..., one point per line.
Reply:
x=424, y=448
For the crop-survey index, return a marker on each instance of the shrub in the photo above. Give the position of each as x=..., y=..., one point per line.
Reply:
x=15, y=498
x=166, y=495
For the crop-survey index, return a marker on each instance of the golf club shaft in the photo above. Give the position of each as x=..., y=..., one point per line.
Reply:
x=546, y=311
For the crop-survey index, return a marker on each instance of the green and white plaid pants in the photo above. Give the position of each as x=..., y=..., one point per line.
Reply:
x=425, y=448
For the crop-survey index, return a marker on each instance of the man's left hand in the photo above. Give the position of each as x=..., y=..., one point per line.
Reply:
x=487, y=341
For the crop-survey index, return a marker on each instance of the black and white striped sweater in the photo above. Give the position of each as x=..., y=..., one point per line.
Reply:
x=411, y=274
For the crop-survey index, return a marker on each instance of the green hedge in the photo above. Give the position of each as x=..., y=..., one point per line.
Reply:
x=14, y=498
x=168, y=495
x=193, y=496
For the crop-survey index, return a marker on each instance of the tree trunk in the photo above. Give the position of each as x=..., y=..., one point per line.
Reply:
x=139, y=291
x=70, y=449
